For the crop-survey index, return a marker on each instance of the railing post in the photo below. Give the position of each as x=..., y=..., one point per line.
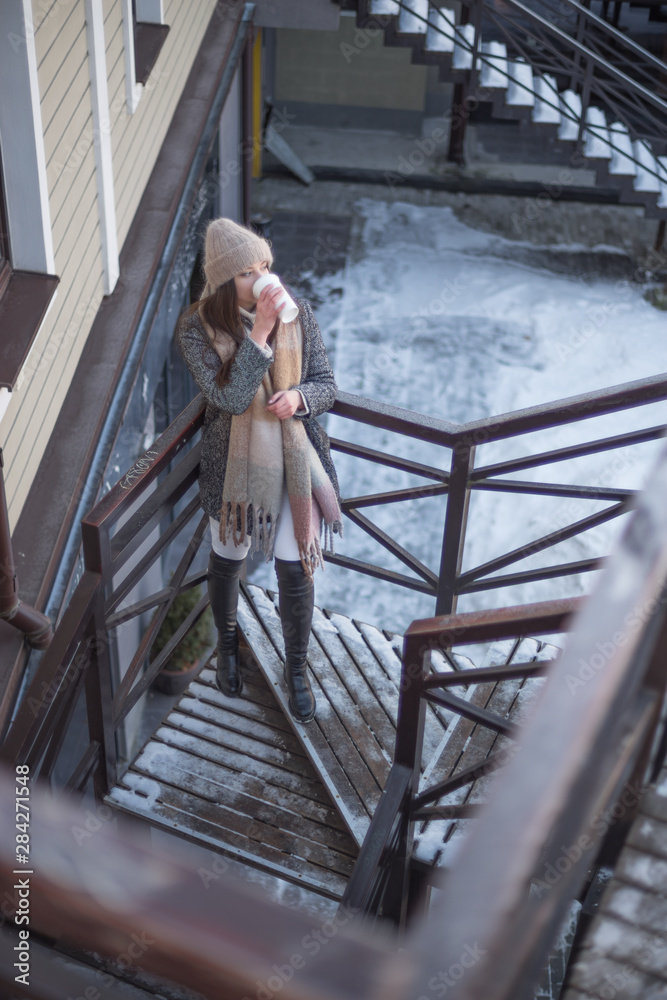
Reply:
x=99, y=700
x=99, y=694
x=457, y=125
x=458, y=497
x=585, y=98
x=409, y=743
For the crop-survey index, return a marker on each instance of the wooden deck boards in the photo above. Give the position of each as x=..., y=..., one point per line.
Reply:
x=625, y=948
x=229, y=772
x=241, y=775
x=355, y=674
x=468, y=743
x=329, y=740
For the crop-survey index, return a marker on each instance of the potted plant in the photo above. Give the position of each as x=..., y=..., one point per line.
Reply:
x=187, y=659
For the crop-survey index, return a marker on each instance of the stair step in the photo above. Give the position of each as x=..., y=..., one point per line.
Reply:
x=326, y=741
x=530, y=94
x=469, y=744
x=463, y=46
x=441, y=30
x=360, y=665
x=570, y=110
x=242, y=776
x=520, y=89
x=629, y=917
x=547, y=104
x=384, y=7
x=415, y=20
x=622, y=163
x=229, y=773
x=494, y=65
x=596, y=135
x=645, y=180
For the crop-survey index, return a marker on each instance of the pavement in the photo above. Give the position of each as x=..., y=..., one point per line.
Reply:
x=297, y=216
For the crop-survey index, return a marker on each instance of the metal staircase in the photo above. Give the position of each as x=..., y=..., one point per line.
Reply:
x=590, y=87
x=407, y=734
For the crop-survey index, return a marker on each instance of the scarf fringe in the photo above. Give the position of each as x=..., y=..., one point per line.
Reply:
x=311, y=558
x=234, y=525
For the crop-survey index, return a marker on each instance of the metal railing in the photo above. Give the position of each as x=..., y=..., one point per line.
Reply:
x=591, y=737
x=460, y=476
x=569, y=790
x=586, y=753
x=78, y=663
x=79, y=658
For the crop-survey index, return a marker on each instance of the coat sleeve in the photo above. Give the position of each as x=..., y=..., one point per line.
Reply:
x=247, y=371
x=318, y=387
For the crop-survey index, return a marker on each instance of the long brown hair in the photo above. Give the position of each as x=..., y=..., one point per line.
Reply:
x=221, y=312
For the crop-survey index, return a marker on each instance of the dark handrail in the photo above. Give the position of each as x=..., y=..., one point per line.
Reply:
x=215, y=936
x=588, y=740
x=81, y=643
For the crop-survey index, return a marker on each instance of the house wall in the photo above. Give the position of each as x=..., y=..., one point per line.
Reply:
x=61, y=48
x=349, y=66
x=349, y=78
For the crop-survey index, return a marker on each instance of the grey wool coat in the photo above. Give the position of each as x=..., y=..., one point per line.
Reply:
x=250, y=364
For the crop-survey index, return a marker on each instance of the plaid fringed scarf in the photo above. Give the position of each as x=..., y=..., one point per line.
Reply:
x=265, y=452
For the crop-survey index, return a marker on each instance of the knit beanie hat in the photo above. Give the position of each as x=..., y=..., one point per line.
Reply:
x=231, y=248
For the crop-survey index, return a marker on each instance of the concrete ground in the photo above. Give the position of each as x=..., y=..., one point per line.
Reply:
x=494, y=149
x=563, y=227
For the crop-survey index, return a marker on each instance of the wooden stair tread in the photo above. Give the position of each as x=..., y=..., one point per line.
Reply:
x=349, y=754
x=471, y=743
x=243, y=776
x=230, y=774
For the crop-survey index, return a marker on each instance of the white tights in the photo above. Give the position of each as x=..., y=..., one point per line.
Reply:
x=285, y=547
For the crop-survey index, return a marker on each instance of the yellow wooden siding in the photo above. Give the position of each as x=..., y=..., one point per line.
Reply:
x=73, y=223
x=45, y=11
x=136, y=139
x=64, y=81
x=58, y=335
x=52, y=356
x=74, y=153
x=67, y=67
x=52, y=24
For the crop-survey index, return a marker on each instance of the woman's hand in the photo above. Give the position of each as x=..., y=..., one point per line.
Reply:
x=285, y=403
x=266, y=313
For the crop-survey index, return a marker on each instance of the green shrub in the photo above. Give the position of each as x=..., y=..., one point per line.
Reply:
x=197, y=640
x=657, y=297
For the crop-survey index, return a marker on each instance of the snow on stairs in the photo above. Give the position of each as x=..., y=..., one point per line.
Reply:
x=519, y=93
x=355, y=673
x=622, y=952
x=228, y=773
x=241, y=776
x=468, y=743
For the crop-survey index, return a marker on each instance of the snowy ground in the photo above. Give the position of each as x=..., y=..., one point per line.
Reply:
x=437, y=317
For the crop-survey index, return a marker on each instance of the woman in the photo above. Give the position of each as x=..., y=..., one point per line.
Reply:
x=266, y=477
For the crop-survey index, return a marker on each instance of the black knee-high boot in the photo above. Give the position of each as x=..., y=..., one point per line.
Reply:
x=223, y=589
x=296, y=597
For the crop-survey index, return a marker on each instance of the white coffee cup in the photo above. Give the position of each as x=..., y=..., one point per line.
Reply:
x=290, y=309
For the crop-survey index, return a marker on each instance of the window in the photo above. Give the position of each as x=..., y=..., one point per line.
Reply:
x=149, y=36
x=143, y=37
x=27, y=280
